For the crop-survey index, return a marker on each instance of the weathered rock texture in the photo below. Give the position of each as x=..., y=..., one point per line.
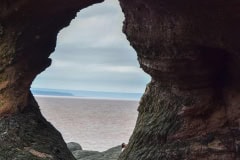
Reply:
x=28, y=31
x=190, y=110
x=28, y=136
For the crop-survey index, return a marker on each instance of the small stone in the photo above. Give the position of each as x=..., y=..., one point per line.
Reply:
x=73, y=146
x=78, y=154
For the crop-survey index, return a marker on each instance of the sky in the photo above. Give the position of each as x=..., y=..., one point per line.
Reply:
x=93, y=54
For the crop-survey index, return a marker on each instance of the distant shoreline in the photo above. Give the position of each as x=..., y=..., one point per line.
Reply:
x=87, y=98
x=76, y=94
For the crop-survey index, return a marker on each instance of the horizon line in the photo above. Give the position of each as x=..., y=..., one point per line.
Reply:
x=84, y=90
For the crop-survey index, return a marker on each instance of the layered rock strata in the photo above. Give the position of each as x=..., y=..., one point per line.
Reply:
x=28, y=32
x=190, y=109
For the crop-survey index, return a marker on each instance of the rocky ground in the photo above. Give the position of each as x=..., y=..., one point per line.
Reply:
x=28, y=136
x=80, y=154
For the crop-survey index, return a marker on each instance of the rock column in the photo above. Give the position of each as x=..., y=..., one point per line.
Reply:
x=190, y=109
x=28, y=32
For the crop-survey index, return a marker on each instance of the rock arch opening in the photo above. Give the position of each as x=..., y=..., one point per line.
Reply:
x=172, y=121
x=93, y=59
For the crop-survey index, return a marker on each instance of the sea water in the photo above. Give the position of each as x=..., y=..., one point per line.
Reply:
x=96, y=124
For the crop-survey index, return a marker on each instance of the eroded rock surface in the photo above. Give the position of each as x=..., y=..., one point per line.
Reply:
x=28, y=136
x=190, y=108
x=28, y=32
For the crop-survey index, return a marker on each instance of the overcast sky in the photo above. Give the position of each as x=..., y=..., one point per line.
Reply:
x=93, y=54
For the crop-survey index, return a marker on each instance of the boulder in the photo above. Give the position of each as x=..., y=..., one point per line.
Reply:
x=73, y=146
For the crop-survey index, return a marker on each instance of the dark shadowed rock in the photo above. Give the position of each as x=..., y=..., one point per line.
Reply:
x=73, y=146
x=190, y=109
x=28, y=136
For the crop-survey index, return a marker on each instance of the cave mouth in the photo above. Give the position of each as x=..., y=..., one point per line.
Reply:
x=93, y=61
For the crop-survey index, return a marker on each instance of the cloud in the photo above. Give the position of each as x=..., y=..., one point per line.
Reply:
x=100, y=23
x=107, y=56
x=93, y=54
